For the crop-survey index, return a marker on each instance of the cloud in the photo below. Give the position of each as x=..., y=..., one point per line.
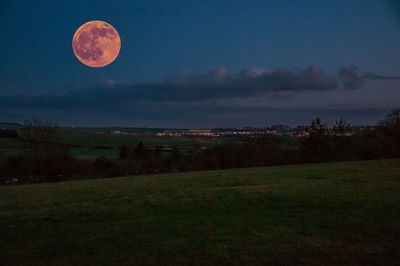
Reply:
x=352, y=79
x=373, y=76
x=218, y=85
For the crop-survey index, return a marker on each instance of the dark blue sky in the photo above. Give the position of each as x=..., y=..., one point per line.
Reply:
x=203, y=63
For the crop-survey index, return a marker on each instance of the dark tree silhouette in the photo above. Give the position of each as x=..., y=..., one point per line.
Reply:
x=343, y=141
x=392, y=122
x=140, y=151
x=391, y=129
x=317, y=146
x=317, y=128
x=43, y=140
x=342, y=127
x=124, y=153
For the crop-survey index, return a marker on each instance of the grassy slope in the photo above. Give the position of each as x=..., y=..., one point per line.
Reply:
x=338, y=213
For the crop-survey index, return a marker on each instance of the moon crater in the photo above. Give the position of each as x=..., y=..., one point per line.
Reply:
x=96, y=43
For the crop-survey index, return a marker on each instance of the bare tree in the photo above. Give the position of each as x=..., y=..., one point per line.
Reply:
x=392, y=120
x=43, y=140
x=342, y=127
x=317, y=146
x=317, y=128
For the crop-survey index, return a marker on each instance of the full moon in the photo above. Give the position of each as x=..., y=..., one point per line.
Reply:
x=96, y=43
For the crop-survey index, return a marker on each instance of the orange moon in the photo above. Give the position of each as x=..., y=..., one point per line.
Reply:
x=96, y=43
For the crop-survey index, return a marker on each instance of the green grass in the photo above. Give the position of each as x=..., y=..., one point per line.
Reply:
x=108, y=145
x=336, y=213
x=9, y=147
x=88, y=143
x=91, y=139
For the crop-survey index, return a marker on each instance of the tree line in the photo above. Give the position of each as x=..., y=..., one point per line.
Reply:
x=47, y=159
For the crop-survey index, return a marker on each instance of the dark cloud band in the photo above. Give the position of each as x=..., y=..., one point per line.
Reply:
x=352, y=79
x=219, y=84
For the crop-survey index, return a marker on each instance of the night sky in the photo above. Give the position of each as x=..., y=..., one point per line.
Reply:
x=208, y=63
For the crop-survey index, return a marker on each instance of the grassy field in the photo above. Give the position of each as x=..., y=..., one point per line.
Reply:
x=88, y=143
x=90, y=139
x=336, y=213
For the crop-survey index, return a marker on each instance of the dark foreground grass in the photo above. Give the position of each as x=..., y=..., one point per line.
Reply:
x=337, y=213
